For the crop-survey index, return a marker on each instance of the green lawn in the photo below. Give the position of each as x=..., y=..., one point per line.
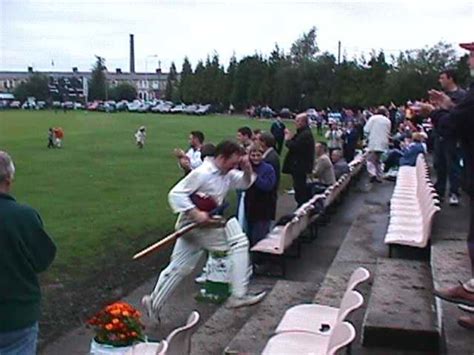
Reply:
x=100, y=196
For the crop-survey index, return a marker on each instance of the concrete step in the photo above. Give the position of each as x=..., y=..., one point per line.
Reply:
x=253, y=336
x=401, y=312
x=450, y=263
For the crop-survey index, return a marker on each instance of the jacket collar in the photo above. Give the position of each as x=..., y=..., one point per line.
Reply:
x=4, y=196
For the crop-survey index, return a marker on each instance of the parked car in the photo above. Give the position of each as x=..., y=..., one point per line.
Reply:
x=334, y=117
x=68, y=105
x=15, y=104
x=28, y=105
x=312, y=114
x=190, y=109
x=203, y=110
x=56, y=104
x=78, y=106
x=286, y=113
x=133, y=106
x=121, y=106
x=92, y=106
x=41, y=105
x=178, y=108
x=266, y=112
x=144, y=108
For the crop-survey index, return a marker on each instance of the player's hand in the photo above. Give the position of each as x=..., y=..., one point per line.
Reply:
x=245, y=164
x=288, y=134
x=185, y=163
x=439, y=98
x=179, y=153
x=199, y=216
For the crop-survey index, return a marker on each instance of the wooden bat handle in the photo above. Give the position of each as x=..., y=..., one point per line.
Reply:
x=166, y=240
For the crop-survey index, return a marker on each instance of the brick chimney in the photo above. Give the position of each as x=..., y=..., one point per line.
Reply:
x=132, y=54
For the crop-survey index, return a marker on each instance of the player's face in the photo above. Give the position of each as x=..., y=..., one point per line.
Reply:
x=231, y=163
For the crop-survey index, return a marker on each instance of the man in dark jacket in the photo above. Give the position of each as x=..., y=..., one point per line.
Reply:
x=460, y=118
x=270, y=156
x=299, y=160
x=25, y=250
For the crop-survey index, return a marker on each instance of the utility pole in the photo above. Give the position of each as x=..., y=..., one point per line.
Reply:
x=338, y=52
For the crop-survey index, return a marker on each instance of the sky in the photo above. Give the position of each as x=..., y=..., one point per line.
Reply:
x=68, y=33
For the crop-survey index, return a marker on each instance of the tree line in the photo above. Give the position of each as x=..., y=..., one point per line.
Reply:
x=304, y=77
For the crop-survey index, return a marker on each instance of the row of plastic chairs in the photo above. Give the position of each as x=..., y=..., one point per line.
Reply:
x=412, y=207
x=282, y=237
x=178, y=342
x=319, y=329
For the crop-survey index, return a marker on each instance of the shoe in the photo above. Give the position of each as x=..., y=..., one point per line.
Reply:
x=465, y=308
x=290, y=192
x=453, y=200
x=247, y=300
x=201, y=279
x=456, y=294
x=466, y=322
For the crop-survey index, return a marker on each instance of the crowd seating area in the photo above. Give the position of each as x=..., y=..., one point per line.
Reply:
x=282, y=237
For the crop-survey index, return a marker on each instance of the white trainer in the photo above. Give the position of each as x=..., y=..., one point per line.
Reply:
x=201, y=279
x=244, y=301
x=453, y=200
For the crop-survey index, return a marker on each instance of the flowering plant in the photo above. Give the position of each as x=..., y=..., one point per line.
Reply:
x=117, y=324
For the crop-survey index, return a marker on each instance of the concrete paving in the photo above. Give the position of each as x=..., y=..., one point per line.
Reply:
x=401, y=312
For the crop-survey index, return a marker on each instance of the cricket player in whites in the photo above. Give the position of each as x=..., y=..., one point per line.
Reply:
x=211, y=181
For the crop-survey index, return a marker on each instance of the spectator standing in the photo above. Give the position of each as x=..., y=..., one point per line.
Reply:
x=446, y=153
x=244, y=137
x=461, y=117
x=350, y=138
x=278, y=130
x=299, y=160
x=271, y=157
x=25, y=250
x=377, y=130
x=334, y=137
x=259, y=198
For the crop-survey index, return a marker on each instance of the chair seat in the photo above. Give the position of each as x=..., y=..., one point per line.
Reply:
x=308, y=318
x=144, y=349
x=297, y=343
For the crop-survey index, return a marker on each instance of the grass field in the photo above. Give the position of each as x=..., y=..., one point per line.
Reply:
x=100, y=196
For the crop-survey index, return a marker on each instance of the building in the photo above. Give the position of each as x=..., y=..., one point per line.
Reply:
x=73, y=85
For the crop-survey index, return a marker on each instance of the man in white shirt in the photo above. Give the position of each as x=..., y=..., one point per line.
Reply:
x=212, y=180
x=377, y=130
x=192, y=158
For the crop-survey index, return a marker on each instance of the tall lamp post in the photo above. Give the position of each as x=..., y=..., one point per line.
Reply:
x=146, y=69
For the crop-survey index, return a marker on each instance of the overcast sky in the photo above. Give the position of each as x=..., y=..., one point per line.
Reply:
x=71, y=32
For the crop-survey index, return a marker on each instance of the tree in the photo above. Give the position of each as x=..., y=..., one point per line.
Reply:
x=36, y=86
x=98, y=89
x=123, y=91
x=305, y=47
x=171, y=83
x=185, y=82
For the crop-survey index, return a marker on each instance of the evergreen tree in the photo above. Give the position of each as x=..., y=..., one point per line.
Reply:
x=98, y=89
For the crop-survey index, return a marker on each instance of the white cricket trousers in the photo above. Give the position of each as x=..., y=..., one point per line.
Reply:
x=189, y=249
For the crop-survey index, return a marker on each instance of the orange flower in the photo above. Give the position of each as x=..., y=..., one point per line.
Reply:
x=115, y=312
x=109, y=326
x=115, y=321
x=133, y=334
x=122, y=336
x=125, y=314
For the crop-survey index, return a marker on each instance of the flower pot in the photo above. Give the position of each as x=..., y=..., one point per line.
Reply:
x=104, y=349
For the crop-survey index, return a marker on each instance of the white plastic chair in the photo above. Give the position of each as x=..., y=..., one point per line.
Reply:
x=302, y=343
x=319, y=319
x=358, y=276
x=179, y=340
x=149, y=348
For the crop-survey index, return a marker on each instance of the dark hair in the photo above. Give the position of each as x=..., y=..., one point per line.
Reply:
x=268, y=139
x=450, y=74
x=324, y=145
x=228, y=148
x=257, y=131
x=208, y=150
x=199, y=135
x=245, y=131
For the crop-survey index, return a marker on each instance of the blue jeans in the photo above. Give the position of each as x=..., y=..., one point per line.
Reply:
x=446, y=163
x=19, y=342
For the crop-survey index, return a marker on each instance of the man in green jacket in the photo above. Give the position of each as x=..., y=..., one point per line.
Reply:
x=25, y=250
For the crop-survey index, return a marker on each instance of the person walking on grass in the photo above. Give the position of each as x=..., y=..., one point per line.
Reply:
x=25, y=251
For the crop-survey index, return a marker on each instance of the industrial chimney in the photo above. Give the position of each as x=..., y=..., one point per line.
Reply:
x=132, y=55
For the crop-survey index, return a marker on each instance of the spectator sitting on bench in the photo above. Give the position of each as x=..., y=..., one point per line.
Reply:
x=412, y=149
x=339, y=163
x=323, y=172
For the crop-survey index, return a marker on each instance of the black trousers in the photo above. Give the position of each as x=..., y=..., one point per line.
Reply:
x=470, y=236
x=301, y=188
